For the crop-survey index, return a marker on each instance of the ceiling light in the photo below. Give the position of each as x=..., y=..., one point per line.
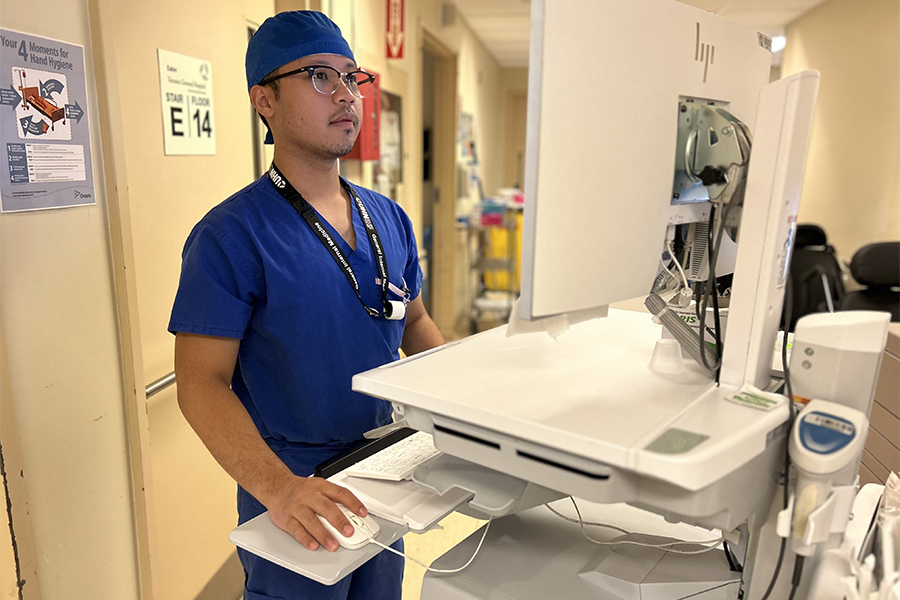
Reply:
x=778, y=43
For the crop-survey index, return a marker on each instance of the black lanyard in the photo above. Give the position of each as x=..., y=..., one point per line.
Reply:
x=309, y=215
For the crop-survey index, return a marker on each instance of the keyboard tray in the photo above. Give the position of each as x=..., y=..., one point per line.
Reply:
x=363, y=449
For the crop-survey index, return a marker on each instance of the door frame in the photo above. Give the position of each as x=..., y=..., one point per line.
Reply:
x=442, y=260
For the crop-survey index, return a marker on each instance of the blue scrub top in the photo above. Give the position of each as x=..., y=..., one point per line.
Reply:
x=254, y=270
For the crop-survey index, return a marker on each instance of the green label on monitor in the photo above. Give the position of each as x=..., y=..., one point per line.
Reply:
x=757, y=399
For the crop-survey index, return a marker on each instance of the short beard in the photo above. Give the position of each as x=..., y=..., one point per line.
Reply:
x=343, y=149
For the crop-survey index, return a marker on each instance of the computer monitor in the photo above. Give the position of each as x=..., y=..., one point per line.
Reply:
x=602, y=133
x=585, y=414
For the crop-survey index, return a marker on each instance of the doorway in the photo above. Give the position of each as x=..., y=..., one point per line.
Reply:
x=426, y=244
x=438, y=181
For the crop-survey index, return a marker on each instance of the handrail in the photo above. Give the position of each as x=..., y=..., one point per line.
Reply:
x=160, y=384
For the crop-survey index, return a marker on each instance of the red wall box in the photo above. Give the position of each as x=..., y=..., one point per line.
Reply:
x=368, y=144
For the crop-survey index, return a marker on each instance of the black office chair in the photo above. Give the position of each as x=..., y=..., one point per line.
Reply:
x=876, y=266
x=815, y=274
x=808, y=235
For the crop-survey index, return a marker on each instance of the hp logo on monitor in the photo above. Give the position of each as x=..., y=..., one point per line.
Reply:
x=705, y=53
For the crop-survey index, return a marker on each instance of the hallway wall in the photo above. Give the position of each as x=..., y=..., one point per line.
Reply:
x=65, y=382
x=86, y=292
x=190, y=498
x=852, y=184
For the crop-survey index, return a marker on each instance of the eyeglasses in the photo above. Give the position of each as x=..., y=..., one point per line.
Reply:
x=326, y=79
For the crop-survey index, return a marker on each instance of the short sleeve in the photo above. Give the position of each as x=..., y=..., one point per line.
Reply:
x=413, y=273
x=218, y=285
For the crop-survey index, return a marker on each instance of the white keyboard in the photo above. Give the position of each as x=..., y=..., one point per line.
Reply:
x=398, y=461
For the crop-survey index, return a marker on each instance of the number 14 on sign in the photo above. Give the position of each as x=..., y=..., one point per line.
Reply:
x=187, y=104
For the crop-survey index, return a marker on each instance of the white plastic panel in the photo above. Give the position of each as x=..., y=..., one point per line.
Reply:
x=604, y=83
x=771, y=202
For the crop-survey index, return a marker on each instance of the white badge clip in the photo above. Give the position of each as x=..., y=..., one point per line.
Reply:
x=394, y=310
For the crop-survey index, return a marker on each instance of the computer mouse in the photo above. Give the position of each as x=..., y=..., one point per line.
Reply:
x=364, y=529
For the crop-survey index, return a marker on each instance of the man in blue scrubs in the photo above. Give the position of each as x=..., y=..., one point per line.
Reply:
x=286, y=292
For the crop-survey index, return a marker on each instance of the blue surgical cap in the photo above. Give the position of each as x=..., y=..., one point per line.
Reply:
x=291, y=35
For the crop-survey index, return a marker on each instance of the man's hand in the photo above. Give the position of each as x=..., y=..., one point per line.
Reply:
x=295, y=507
x=204, y=366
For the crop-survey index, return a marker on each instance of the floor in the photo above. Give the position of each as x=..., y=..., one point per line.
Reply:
x=429, y=546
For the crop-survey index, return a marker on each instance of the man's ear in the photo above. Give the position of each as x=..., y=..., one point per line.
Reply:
x=263, y=100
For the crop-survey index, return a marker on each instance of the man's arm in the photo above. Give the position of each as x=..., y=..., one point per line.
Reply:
x=203, y=368
x=420, y=333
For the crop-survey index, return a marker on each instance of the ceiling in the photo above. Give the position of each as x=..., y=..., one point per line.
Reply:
x=503, y=25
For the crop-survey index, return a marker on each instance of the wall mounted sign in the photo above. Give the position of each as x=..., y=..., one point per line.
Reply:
x=43, y=124
x=396, y=25
x=186, y=88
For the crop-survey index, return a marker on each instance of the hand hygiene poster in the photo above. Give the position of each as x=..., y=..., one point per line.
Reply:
x=43, y=124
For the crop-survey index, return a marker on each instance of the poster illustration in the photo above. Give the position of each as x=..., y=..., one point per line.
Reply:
x=43, y=124
x=46, y=95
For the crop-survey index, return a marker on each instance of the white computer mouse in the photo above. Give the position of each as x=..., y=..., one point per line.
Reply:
x=364, y=529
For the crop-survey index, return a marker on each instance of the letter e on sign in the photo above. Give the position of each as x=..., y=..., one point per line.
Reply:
x=186, y=90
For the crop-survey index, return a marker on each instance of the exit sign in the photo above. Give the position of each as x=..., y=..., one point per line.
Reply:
x=395, y=33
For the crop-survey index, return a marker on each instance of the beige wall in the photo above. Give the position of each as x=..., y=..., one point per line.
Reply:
x=480, y=83
x=191, y=501
x=852, y=185
x=17, y=562
x=515, y=88
x=65, y=373
x=481, y=90
x=68, y=356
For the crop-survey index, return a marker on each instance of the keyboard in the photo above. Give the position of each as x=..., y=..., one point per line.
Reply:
x=398, y=461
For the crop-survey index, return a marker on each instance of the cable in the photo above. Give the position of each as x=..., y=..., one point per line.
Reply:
x=665, y=546
x=427, y=568
x=733, y=563
x=798, y=575
x=715, y=298
x=702, y=302
x=703, y=297
x=709, y=288
x=666, y=269
x=777, y=567
x=661, y=277
x=788, y=307
x=588, y=523
x=677, y=264
x=737, y=173
x=716, y=230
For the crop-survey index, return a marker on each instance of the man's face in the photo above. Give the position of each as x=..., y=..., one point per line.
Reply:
x=310, y=121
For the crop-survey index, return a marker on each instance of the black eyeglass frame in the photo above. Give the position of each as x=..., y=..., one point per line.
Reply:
x=342, y=77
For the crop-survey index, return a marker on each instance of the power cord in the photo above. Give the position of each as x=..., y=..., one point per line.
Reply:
x=798, y=574
x=665, y=546
x=671, y=252
x=588, y=523
x=788, y=308
x=433, y=570
x=733, y=563
x=731, y=196
x=716, y=230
